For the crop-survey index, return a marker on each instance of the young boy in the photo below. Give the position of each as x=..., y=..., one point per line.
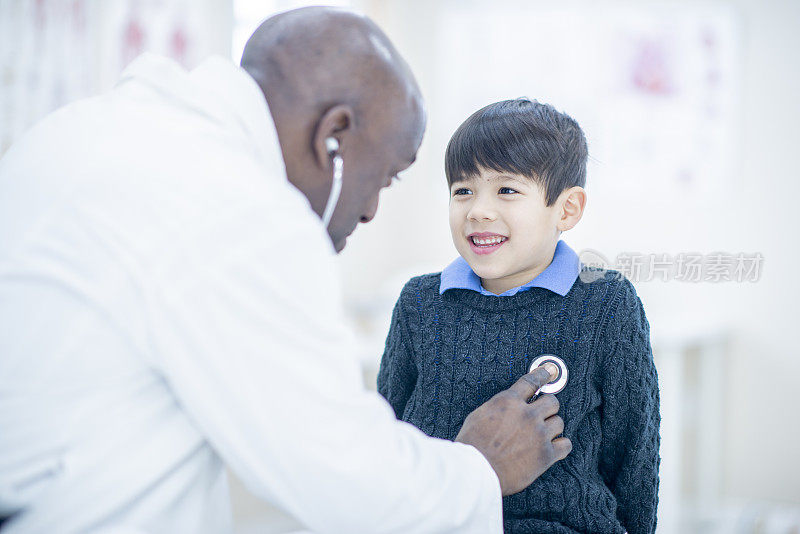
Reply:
x=516, y=171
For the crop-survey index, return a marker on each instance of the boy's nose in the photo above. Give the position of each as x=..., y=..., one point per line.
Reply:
x=482, y=211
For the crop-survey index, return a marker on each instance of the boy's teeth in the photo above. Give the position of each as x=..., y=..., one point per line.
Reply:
x=488, y=240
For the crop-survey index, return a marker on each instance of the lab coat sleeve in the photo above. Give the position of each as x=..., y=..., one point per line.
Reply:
x=629, y=455
x=397, y=375
x=249, y=333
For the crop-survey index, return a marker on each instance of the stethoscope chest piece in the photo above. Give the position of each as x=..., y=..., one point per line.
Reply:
x=561, y=380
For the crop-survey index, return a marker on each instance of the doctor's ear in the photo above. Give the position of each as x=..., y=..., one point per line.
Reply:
x=331, y=135
x=571, y=204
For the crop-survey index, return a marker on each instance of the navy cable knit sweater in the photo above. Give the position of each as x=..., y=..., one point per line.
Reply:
x=447, y=354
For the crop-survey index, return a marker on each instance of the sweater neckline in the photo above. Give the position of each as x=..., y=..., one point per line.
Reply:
x=522, y=299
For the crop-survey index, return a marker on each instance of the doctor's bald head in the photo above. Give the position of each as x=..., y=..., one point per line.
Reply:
x=328, y=72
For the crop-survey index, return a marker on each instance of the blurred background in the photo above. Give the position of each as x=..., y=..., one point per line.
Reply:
x=691, y=113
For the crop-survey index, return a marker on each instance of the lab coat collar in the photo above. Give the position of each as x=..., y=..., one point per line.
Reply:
x=217, y=88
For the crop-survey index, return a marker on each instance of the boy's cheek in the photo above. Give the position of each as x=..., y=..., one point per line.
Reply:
x=458, y=241
x=456, y=219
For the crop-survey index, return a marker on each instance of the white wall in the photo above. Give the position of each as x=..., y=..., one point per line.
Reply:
x=53, y=52
x=758, y=212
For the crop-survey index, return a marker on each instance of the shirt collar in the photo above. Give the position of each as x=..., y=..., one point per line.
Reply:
x=558, y=277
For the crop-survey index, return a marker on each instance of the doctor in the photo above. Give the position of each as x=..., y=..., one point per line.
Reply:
x=169, y=305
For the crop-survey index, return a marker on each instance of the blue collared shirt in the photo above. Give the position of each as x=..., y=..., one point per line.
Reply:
x=558, y=277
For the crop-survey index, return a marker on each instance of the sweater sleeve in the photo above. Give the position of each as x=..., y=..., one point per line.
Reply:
x=629, y=455
x=397, y=375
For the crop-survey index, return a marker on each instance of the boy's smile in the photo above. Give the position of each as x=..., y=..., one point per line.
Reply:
x=486, y=242
x=501, y=226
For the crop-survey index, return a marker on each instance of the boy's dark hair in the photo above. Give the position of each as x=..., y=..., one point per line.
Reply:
x=523, y=137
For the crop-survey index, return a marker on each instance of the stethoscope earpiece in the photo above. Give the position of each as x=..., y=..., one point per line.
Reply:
x=332, y=146
x=563, y=374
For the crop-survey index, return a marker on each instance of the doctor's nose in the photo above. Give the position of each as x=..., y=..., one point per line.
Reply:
x=372, y=210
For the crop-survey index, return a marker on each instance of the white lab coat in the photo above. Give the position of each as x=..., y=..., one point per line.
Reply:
x=169, y=304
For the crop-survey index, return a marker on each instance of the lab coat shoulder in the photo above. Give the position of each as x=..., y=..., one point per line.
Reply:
x=251, y=239
x=201, y=193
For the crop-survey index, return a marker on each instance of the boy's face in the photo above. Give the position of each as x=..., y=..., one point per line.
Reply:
x=502, y=228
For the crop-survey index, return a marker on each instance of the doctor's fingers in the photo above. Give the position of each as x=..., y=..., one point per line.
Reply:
x=544, y=406
x=561, y=448
x=528, y=384
x=554, y=426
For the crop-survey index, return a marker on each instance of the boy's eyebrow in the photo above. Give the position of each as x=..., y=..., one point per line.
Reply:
x=498, y=177
x=507, y=177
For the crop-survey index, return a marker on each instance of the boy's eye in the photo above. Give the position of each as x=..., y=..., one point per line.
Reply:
x=462, y=191
x=507, y=191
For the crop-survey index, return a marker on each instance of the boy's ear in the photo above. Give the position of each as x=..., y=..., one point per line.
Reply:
x=572, y=202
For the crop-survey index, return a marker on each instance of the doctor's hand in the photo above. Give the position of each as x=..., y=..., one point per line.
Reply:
x=520, y=440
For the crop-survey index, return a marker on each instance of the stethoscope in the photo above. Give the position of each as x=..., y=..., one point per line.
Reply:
x=332, y=146
x=558, y=383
